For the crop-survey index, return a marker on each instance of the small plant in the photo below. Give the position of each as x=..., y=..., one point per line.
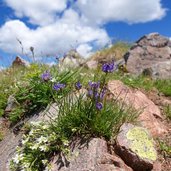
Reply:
x=41, y=89
x=87, y=114
x=1, y=136
x=165, y=149
x=163, y=86
x=37, y=148
x=167, y=111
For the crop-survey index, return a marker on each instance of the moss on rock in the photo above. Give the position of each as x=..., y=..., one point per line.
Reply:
x=141, y=143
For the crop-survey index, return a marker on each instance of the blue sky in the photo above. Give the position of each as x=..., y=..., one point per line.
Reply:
x=53, y=27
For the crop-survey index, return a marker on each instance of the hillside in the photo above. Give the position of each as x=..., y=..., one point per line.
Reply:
x=74, y=116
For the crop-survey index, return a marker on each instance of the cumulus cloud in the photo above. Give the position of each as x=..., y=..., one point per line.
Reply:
x=39, y=12
x=85, y=50
x=53, y=38
x=130, y=11
x=60, y=27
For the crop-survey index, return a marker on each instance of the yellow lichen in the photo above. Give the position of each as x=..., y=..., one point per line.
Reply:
x=141, y=143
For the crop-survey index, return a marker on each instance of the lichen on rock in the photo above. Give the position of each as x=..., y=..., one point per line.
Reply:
x=141, y=143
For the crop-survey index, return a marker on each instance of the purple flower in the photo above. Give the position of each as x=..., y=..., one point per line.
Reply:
x=94, y=85
x=90, y=93
x=46, y=76
x=102, y=93
x=58, y=86
x=108, y=67
x=78, y=85
x=99, y=106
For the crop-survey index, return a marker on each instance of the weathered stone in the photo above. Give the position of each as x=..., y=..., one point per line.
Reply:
x=150, y=114
x=136, y=147
x=91, y=64
x=11, y=104
x=20, y=62
x=70, y=61
x=150, y=52
x=92, y=155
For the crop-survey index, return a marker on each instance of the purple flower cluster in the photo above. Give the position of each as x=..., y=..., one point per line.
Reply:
x=96, y=93
x=78, y=85
x=58, y=86
x=108, y=67
x=99, y=106
x=46, y=76
x=94, y=85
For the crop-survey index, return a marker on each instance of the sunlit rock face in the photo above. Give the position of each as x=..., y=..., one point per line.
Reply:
x=150, y=55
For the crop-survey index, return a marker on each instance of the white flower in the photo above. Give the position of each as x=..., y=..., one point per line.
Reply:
x=31, y=132
x=17, y=158
x=24, y=141
x=35, y=147
x=53, y=80
x=44, y=148
x=44, y=162
x=42, y=140
x=66, y=142
x=45, y=126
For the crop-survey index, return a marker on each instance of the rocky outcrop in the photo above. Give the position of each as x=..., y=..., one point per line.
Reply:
x=20, y=62
x=136, y=147
x=150, y=55
x=150, y=114
x=11, y=104
x=70, y=61
x=90, y=155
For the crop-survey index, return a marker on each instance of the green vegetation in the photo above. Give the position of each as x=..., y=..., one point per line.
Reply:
x=143, y=82
x=167, y=111
x=1, y=136
x=165, y=148
x=116, y=51
x=87, y=114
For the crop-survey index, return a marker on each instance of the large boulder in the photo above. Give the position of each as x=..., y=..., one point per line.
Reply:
x=150, y=115
x=150, y=55
x=91, y=155
x=136, y=147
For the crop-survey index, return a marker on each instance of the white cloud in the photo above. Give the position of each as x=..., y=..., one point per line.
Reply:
x=2, y=68
x=78, y=26
x=39, y=12
x=85, y=50
x=51, y=39
x=130, y=11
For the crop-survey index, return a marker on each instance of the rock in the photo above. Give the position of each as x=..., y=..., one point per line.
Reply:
x=70, y=61
x=150, y=115
x=157, y=166
x=11, y=104
x=20, y=62
x=2, y=122
x=152, y=52
x=91, y=64
x=136, y=147
x=92, y=155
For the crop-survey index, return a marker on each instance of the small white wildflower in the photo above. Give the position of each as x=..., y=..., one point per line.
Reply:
x=44, y=148
x=42, y=140
x=44, y=162
x=45, y=126
x=17, y=158
x=31, y=132
x=34, y=147
x=53, y=80
x=36, y=123
x=66, y=142
x=24, y=141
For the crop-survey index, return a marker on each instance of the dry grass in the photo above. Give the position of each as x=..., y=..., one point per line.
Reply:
x=115, y=52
